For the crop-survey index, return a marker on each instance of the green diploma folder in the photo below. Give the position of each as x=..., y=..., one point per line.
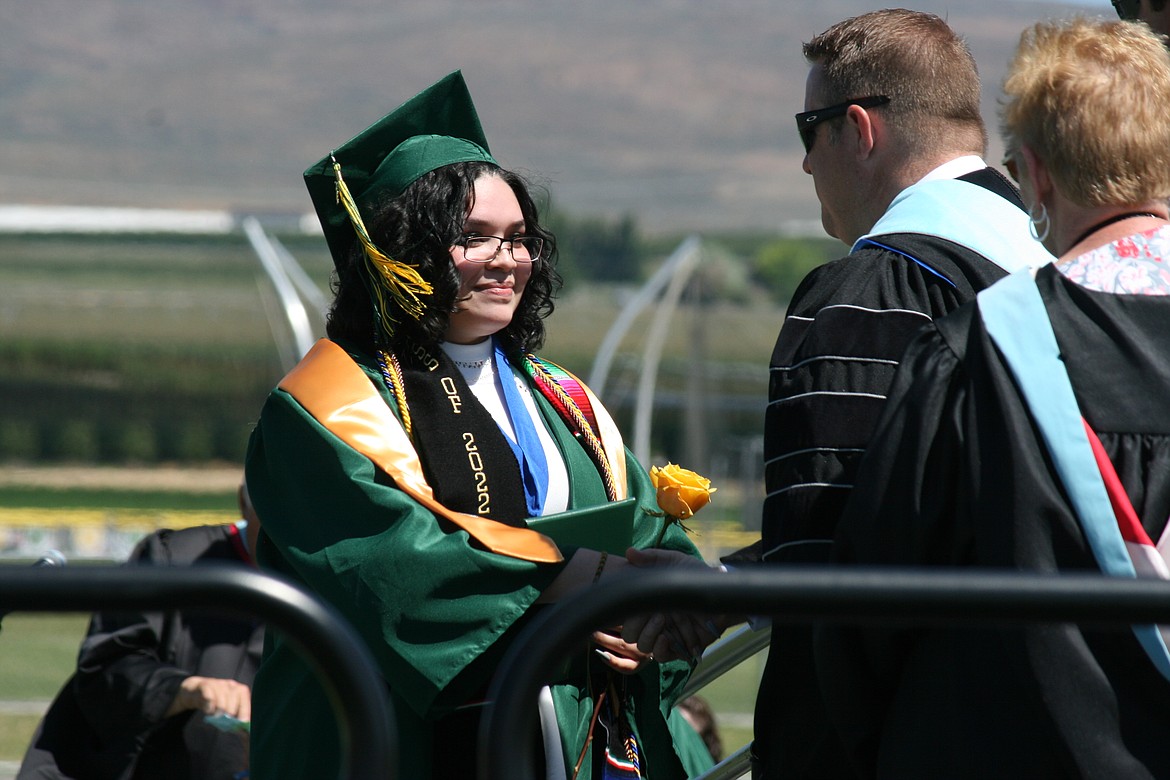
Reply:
x=608, y=527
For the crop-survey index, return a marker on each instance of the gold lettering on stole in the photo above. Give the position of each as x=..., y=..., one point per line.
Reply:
x=475, y=460
x=429, y=363
x=452, y=394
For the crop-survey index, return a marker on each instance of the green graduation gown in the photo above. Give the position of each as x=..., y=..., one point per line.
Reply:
x=436, y=609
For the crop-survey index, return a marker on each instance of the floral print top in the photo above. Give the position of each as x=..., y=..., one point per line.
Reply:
x=1134, y=265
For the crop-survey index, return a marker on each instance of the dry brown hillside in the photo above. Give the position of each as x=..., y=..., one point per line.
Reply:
x=678, y=111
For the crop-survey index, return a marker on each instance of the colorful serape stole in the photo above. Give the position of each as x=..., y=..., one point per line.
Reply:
x=622, y=754
x=548, y=370
x=621, y=759
x=568, y=397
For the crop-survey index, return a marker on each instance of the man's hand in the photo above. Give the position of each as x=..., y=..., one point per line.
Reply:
x=663, y=559
x=671, y=636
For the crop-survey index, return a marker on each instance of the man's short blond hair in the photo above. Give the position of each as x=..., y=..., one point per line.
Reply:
x=1092, y=98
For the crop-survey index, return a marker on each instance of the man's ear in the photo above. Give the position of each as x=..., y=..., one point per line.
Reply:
x=861, y=131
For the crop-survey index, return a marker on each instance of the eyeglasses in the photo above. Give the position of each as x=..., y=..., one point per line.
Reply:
x=484, y=249
x=807, y=121
x=1127, y=9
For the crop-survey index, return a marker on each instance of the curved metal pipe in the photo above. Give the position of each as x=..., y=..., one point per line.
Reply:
x=793, y=593
x=332, y=647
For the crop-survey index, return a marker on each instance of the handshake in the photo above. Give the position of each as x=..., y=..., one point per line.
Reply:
x=670, y=636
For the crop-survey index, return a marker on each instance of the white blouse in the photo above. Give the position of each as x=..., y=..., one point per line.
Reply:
x=475, y=363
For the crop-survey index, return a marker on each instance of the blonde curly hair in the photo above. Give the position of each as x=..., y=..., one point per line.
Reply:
x=1089, y=97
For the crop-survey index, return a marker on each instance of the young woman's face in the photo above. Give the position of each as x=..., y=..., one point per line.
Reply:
x=489, y=292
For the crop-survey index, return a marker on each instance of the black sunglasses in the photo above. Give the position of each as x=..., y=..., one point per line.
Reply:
x=1127, y=9
x=807, y=121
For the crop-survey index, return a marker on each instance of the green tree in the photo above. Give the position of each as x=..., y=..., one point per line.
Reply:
x=195, y=442
x=781, y=265
x=597, y=249
x=76, y=441
x=135, y=442
x=19, y=440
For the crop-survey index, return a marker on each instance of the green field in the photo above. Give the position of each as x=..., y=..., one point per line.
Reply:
x=37, y=654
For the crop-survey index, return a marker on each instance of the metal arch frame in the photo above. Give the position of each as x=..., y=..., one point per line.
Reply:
x=599, y=373
x=292, y=287
x=670, y=280
x=337, y=654
x=795, y=593
x=682, y=265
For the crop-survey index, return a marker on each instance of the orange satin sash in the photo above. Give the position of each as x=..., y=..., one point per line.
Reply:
x=339, y=395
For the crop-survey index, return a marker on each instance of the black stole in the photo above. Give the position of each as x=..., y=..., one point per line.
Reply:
x=465, y=456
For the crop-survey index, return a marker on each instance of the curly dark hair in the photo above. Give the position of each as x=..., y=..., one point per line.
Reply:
x=419, y=227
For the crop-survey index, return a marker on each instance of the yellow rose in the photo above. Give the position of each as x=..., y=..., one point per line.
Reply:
x=681, y=492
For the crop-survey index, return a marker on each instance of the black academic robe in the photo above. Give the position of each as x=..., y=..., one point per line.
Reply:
x=107, y=721
x=956, y=476
x=843, y=335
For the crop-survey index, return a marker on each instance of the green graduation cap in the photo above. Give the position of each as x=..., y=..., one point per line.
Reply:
x=436, y=127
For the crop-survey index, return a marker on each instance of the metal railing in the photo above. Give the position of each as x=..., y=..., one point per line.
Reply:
x=794, y=593
x=353, y=683
x=724, y=655
x=719, y=659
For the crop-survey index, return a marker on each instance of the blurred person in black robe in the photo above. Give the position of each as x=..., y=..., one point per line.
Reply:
x=136, y=706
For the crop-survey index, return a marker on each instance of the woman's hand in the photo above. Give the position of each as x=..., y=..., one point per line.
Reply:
x=619, y=655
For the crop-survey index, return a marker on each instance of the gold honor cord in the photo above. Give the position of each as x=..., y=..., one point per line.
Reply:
x=392, y=373
x=402, y=281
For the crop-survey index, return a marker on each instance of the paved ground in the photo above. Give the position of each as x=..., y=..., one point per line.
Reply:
x=23, y=707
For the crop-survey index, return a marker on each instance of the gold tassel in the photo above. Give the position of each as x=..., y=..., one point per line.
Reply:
x=402, y=281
